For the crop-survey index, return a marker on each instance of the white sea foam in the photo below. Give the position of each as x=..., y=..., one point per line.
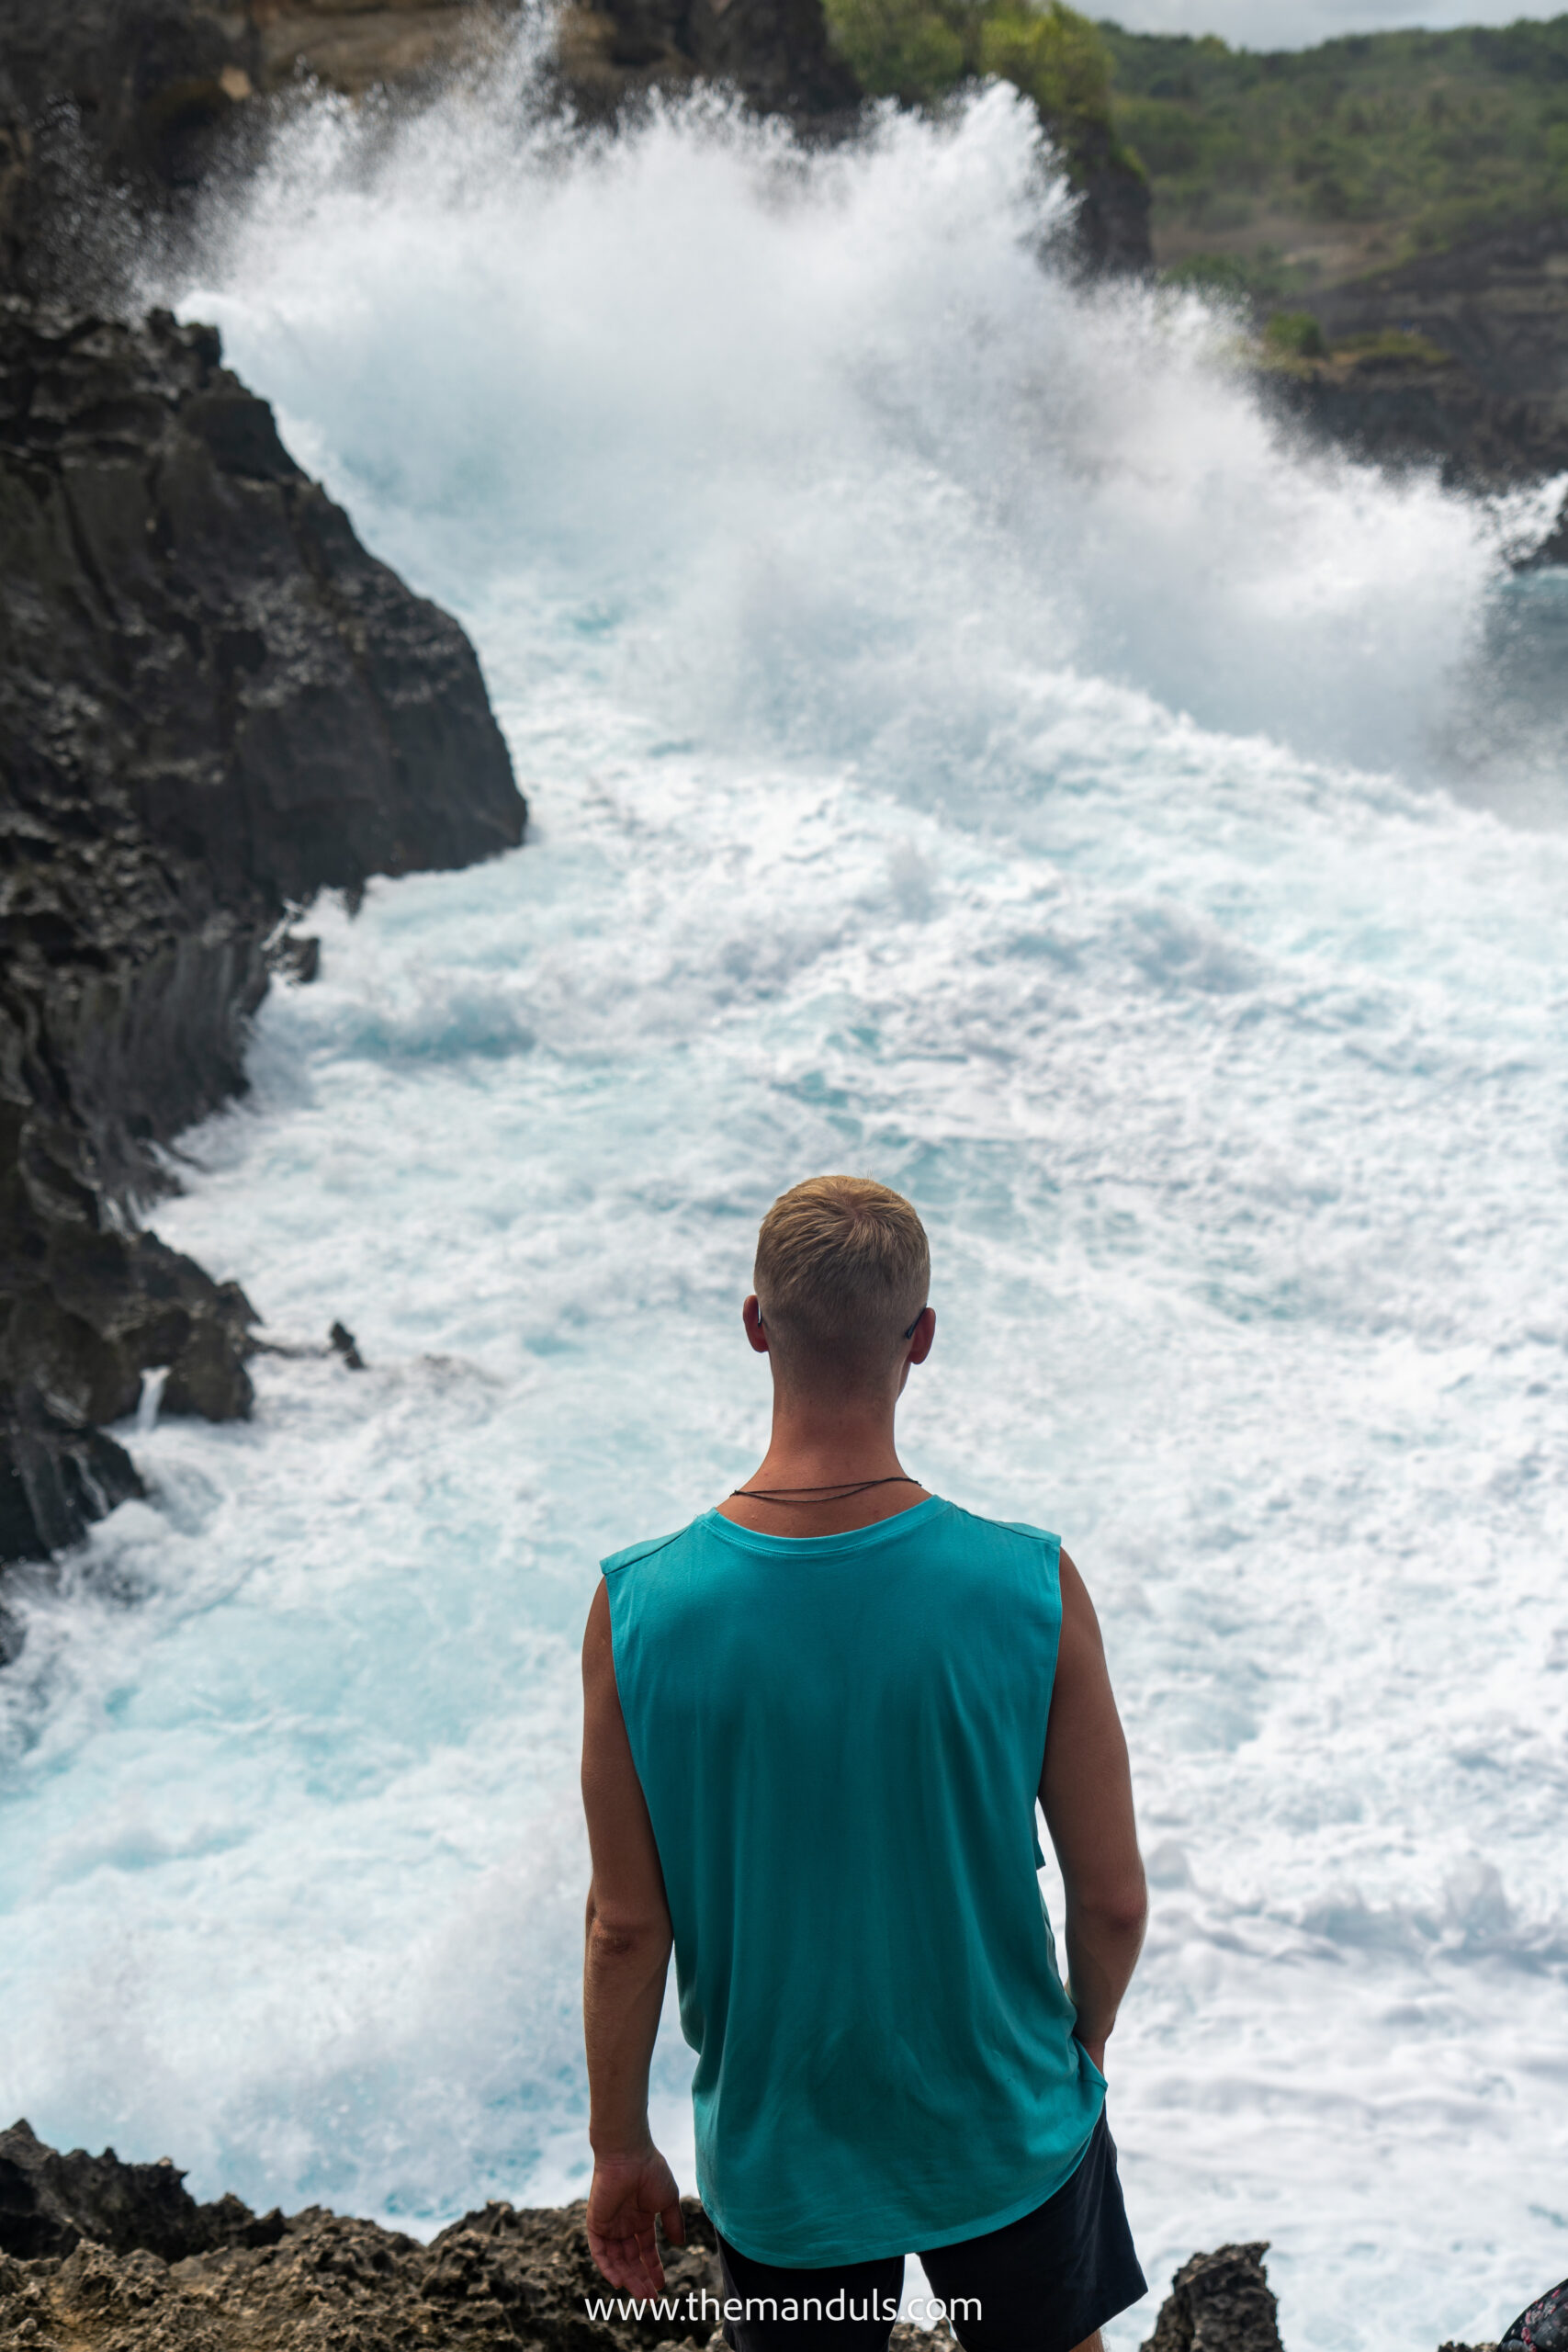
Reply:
x=963, y=744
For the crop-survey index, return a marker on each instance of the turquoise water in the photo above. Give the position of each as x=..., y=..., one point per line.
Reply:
x=963, y=744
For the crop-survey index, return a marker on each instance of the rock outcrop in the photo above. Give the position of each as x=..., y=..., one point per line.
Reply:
x=51, y=2204
x=1219, y=2302
x=1497, y=303
x=148, y=97
x=213, y=703
x=1113, y=214
x=94, y=2252
x=775, y=52
x=1482, y=382
x=97, y=2256
x=152, y=97
x=103, y=2256
x=1403, y=400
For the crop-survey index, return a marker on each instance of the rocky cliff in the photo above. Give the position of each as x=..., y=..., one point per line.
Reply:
x=213, y=703
x=151, y=98
x=146, y=98
x=1497, y=304
x=154, y=97
x=1399, y=398
x=97, y=2254
x=1460, y=356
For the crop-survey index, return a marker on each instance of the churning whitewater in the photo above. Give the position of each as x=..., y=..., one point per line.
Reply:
x=964, y=746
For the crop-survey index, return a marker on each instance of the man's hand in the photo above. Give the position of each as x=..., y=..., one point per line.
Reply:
x=627, y=2192
x=1095, y=2051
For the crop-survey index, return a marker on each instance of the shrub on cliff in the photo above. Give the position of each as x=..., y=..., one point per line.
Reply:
x=919, y=51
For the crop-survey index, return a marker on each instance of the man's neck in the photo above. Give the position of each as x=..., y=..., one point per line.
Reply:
x=820, y=1448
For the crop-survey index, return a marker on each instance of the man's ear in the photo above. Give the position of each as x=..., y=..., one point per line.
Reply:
x=752, y=1316
x=922, y=1334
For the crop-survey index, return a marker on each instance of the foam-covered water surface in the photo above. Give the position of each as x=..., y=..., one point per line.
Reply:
x=963, y=744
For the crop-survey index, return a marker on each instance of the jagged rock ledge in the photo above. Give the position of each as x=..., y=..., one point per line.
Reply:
x=99, y=2256
x=213, y=704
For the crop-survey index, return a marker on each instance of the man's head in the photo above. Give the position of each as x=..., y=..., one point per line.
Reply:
x=841, y=1275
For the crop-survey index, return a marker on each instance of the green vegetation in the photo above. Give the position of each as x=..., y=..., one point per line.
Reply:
x=1292, y=343
x=1294, y=334
x=922, y=51
x=1398, y=346
x=1261, y=276
x=1372, y=149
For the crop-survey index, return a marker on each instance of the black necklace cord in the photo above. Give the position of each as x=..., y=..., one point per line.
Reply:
x=843, y=1491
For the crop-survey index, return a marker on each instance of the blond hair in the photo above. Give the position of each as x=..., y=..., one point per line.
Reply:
x=843, y=1268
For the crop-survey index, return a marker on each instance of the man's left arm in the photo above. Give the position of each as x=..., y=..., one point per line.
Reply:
x=1085, y=1790
x=625, y=1961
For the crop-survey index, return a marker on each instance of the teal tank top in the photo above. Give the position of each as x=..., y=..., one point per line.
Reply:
x=840, y=1738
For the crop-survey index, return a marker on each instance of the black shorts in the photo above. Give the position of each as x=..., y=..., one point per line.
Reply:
x=1041, y=2284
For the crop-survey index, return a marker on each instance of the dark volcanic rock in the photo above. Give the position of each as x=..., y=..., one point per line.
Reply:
x=1497, y=303
x=94, y=2252
x=777, y=54
x=213, y=703
x=201, y=653
x=1219, y=2302
x=1404, y=410
x=50, y=2203
x=1483, y=387
x=1113, y=215
x=774, y=53
x=147, y=99
x=1401, y=410
x=111, y=2257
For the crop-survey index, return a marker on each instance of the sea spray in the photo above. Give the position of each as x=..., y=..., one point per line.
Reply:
x=966, y=744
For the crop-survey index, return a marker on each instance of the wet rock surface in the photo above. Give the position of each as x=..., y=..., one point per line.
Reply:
x=213, y=703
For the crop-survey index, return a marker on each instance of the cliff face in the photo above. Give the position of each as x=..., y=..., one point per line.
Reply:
x=1407, y=406
x=212, y=704
x=148, y=97
x=1498, y=305
x=1114, y=220
x=1493, y=407
x=774, y=52
x=154, y=95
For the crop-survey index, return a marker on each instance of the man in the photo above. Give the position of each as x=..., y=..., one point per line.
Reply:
x=815, y=1725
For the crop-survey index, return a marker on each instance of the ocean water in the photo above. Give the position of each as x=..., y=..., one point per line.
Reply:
x=965, y=744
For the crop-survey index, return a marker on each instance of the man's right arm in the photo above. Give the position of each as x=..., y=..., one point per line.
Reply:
x=1085, y=1790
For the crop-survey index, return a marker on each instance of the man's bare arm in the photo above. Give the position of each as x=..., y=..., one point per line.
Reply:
x=626, y=1958
x=1085, y=1790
